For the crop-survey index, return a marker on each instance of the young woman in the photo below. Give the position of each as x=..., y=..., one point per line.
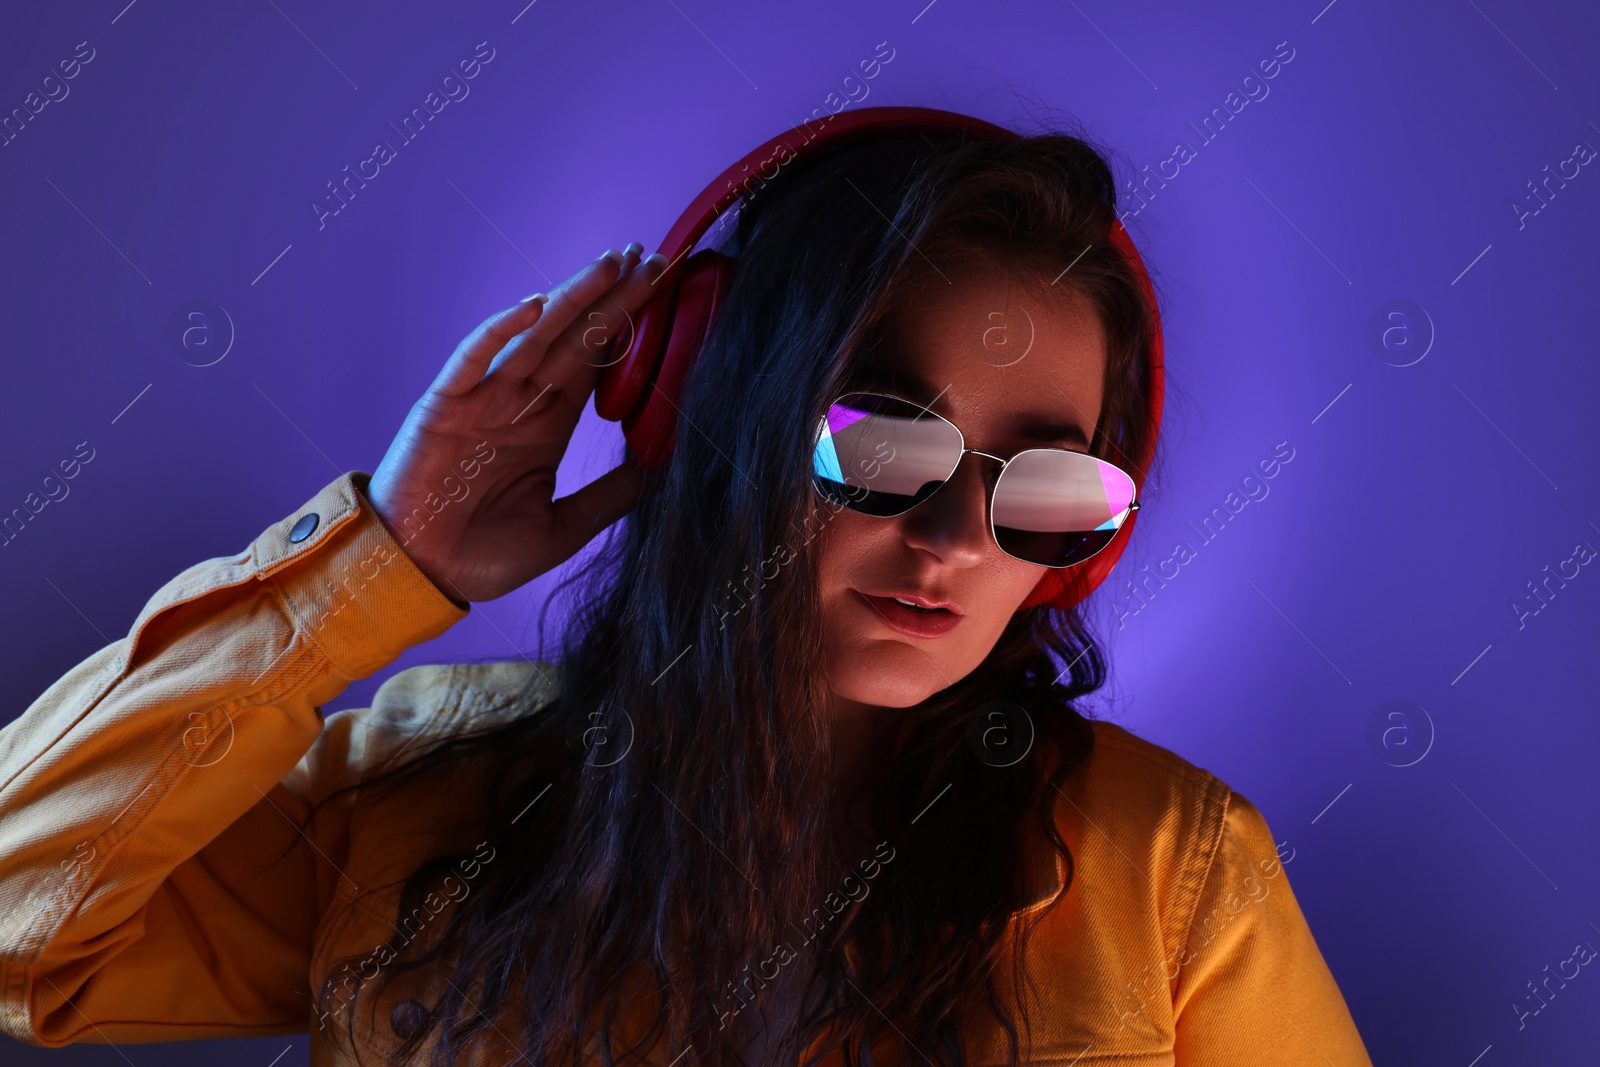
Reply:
x=807, y=781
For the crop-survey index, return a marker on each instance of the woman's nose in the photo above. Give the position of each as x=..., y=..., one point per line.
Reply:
x=953, y=523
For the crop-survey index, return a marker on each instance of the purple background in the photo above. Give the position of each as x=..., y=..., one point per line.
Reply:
x=1382, y=565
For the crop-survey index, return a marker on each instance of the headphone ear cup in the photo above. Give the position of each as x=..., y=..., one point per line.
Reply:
x=651, y=426
x=624, y=382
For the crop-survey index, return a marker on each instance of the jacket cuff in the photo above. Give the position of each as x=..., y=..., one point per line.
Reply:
x=352, y=588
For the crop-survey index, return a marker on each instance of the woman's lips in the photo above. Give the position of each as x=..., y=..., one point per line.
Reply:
x=909, y=621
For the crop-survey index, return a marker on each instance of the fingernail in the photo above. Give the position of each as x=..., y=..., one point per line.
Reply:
x=613, y=255
x=654, y=259
x=541, y=297
x=634, y=248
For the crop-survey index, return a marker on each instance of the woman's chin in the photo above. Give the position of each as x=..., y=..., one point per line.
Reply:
x=876, y=684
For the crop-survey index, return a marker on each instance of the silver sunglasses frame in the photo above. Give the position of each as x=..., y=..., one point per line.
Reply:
x=1005, y=463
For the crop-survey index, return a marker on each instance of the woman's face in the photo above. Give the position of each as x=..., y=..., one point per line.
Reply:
x=992, y=358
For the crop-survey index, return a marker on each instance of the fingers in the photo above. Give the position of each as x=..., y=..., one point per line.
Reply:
x=631, y=256
x=475, y=356
x=569, y=348
x=583, y=514
x=467, y=364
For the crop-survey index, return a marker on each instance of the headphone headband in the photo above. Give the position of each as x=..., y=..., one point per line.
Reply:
x=641, y=389
x=844, y=128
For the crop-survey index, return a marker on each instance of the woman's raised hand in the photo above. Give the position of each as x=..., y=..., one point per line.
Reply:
x=468, y=485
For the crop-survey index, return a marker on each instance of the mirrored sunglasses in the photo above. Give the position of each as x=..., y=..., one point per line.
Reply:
x=878, y=454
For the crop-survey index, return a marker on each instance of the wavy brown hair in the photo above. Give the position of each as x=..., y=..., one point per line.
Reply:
x=688, y=861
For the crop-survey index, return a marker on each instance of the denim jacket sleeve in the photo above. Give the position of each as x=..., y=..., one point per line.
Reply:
x=1252, y=984
x=153, y=883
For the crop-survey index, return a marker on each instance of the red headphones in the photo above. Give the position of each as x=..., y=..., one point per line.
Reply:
x=641, y=389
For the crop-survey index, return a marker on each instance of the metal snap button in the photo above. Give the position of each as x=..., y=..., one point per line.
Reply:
x=407, y=1018
x=303, y=528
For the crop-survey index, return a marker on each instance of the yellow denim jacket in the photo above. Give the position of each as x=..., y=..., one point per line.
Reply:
x=145, y=795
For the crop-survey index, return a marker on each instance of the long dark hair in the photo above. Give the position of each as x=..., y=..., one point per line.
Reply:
x=687, y=864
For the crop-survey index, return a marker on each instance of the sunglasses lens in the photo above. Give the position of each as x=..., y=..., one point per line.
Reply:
x=882, y=456
x=1058, y=508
